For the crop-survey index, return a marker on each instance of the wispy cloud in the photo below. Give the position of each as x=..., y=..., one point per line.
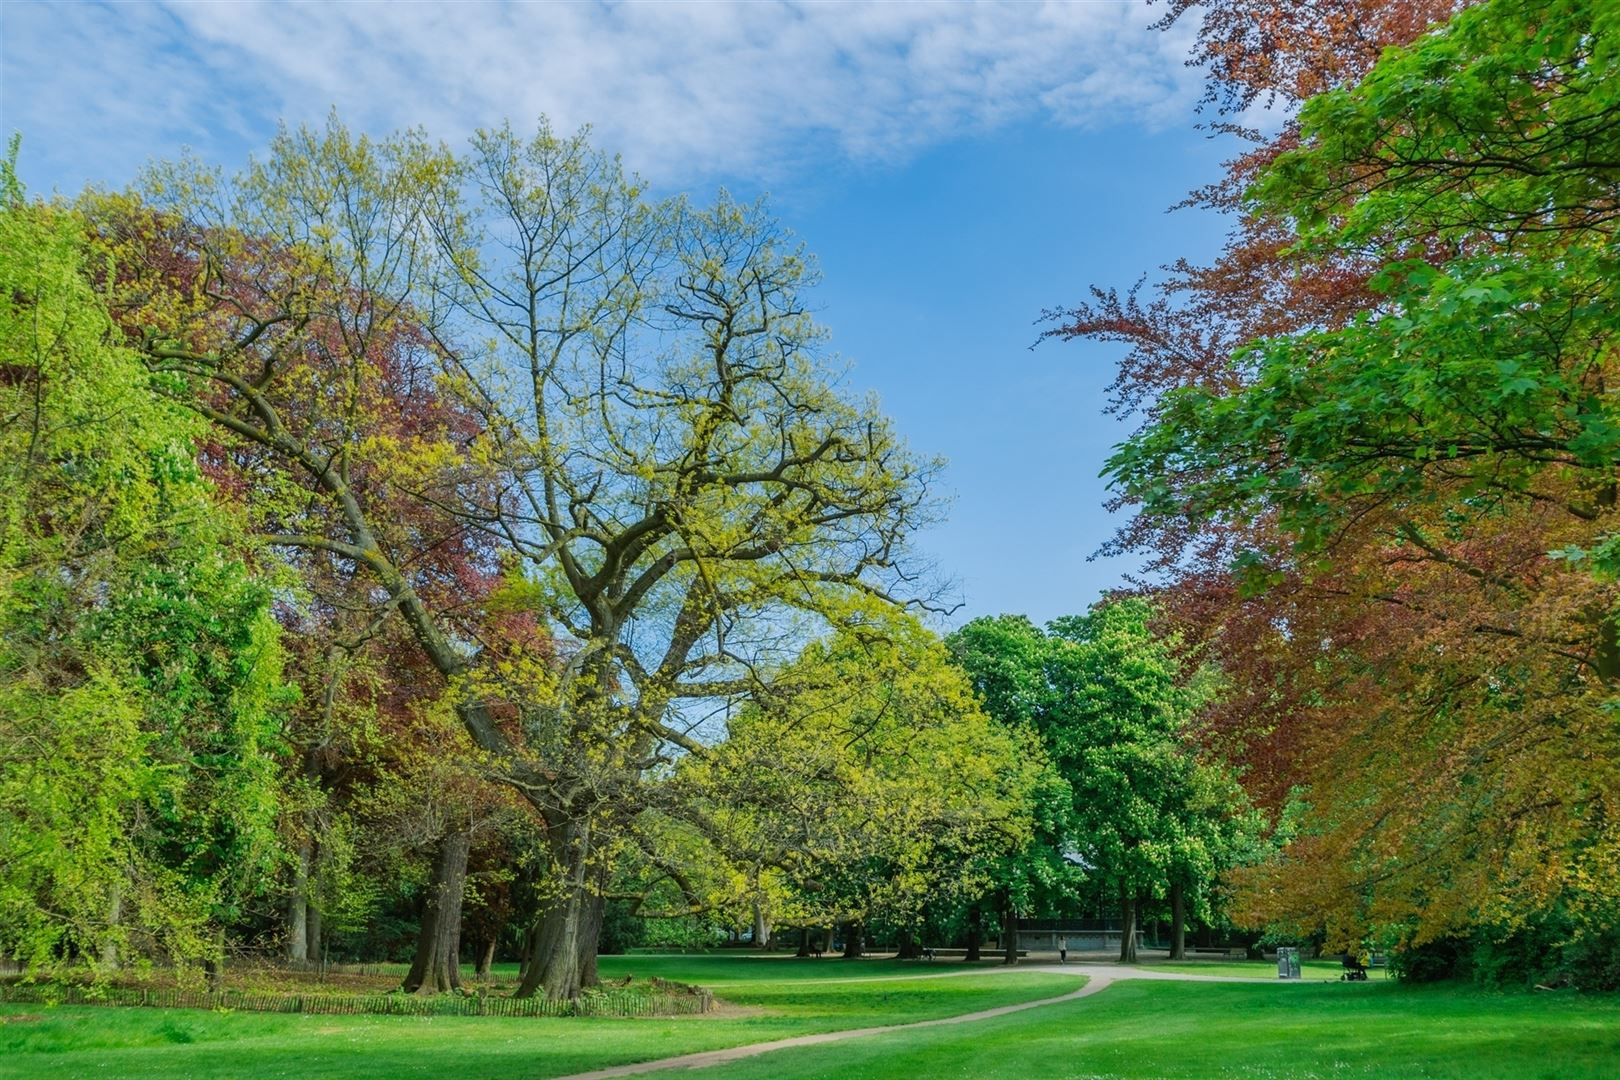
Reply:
x=686, y=91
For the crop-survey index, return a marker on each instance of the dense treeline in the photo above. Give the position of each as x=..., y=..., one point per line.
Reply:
x=435, y=556
x=1376, y=474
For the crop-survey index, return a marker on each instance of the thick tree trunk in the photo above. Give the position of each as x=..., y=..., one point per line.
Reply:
x=1009, y=935
x=975, y=932
x=590, y=934
x=562, y=951
x=486, y=959
x=909, y=949
x=1178, y=921
x=804, y=941
x=562, y=957
x=854, y=947
x=298, y=907
x=437, y=966
x=827, y=941
x=1127, y=926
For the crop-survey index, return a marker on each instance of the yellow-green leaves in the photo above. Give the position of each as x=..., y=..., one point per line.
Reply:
x=869, y=778
x=139, y=668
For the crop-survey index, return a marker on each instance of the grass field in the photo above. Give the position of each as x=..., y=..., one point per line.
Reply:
x=768, y=998
x=1131, y=1029
x=1143, y=1029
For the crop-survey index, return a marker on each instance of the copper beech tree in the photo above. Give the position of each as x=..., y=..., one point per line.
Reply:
x=1375, y=461
x=623, y=402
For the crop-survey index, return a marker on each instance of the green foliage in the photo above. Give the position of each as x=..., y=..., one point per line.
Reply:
x=1475, y=167
x=1502, y=121
x=622, y=929
x=1004, y=659
x=1128, y=801
x=869, y=781
x=634, y=420
x=139, y=668
x=695, y=932
x=1435, y=469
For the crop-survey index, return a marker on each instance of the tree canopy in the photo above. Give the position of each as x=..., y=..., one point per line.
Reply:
x=1377, y=468
x=141, y=692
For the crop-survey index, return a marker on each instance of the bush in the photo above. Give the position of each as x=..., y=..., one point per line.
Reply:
x=1550, y=950
x=621, y=930
x=691, y=932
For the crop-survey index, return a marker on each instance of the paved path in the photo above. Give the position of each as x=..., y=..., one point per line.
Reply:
x=1099, y=978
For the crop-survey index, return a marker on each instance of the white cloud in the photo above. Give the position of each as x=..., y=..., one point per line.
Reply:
x=686, y=91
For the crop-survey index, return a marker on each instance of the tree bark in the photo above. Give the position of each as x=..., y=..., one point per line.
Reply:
x=298, y=907
x=590, y=934
x=115, y=919
x=1178, y=921
x=1127, y=926
x=562, y=951
x=486, y=959
x=804, y=941
x=214, y=966
x=437, y=966
x=854, y=947
x=762, y=928
x=827, y=943
x=313, y=928
x=975, y=932
x=530, y=937
x=1009, y=934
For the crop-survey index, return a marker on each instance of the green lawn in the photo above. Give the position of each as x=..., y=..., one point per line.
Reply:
x=1309, y=970
x=773, y=998
x=1232, y=1030
x=1143, y=1029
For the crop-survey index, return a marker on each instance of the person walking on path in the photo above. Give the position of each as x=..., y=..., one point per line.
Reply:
x=1063, y=950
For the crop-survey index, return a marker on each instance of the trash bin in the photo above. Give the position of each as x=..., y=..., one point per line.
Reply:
x=1287, y=963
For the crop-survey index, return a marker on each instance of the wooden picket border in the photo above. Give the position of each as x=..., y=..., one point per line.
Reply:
x=613, y=1001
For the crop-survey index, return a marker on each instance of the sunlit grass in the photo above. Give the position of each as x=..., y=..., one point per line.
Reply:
x=1142, y=1029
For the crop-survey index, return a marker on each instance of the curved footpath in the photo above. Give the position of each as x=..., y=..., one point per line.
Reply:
x=1098, y=978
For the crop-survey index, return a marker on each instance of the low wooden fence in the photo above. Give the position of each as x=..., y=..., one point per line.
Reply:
x=609, y=1002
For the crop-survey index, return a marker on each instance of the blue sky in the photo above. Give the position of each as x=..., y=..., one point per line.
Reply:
x=956, y=168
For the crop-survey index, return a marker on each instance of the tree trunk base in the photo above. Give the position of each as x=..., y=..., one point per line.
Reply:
x=437, y=966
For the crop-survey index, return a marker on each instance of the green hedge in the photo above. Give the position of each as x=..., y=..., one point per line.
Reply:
x=661, y=1000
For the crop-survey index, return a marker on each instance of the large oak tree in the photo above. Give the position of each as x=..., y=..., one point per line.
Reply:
x=658, y=455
